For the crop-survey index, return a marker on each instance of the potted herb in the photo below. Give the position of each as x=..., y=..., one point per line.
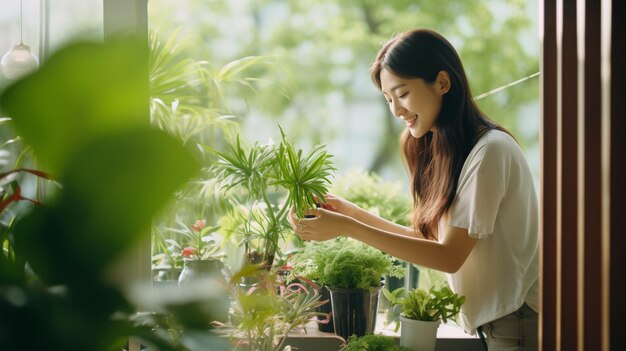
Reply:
x=353, y=273
x=268, y=180
x=421, y=312
x=373, y=342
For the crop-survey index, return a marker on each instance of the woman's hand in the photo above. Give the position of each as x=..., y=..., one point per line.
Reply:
x=338, y=204
x=326, y=225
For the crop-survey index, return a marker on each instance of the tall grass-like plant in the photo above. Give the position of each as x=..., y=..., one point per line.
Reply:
x=273, y=179
x=303, y=176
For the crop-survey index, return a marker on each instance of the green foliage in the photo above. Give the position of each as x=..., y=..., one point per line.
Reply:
x=196, y=241
x=75, y=115
x=191, y=99
x=352, y=264
x=343, y=263
x=326, y=46
x=116, y=173
x=263, y=315
x=310, y=260
x=273, y=179
x=372, y=342
x=432, y=305
x=304, y=177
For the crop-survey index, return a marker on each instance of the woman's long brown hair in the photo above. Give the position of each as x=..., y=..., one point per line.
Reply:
x=435, y=160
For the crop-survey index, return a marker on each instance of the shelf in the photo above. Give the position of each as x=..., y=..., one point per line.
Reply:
x=450, y=337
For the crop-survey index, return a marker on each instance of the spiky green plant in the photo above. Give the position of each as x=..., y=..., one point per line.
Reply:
x=304, y=177
x=274, y=179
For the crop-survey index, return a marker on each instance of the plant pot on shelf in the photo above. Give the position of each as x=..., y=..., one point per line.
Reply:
x=354, y=310
x=418, y=335
x=422, y=313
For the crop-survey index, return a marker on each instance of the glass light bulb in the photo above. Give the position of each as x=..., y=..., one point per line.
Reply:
x=19, y=61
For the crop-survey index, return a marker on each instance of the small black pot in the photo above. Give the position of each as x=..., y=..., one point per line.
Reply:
x=354, y=311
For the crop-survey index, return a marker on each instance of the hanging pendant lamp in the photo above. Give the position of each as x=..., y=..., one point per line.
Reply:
x=20, y=60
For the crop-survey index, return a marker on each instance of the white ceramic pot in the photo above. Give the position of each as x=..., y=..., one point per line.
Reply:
x=418, y=335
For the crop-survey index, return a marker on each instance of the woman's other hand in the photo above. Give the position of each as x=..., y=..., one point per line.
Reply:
x=326, y=225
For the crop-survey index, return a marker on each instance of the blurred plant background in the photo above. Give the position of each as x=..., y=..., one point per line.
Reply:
x=316, y=80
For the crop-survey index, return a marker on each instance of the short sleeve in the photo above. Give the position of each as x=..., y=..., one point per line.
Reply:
x=482, y=185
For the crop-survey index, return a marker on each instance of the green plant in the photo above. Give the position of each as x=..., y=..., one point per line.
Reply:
x=196, y=241
x=116, y=173
x=190, y=99
x=310, y=260
x=372, y=342
x=344, y=263
x=262, y=316
x=432, y=305
x=273, y=179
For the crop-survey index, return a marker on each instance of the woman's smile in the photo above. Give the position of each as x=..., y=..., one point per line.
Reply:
x=410, y=121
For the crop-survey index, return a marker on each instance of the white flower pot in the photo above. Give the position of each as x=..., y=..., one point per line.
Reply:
x=418, y=335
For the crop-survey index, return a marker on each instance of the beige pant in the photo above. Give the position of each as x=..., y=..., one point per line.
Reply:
x=514, y=332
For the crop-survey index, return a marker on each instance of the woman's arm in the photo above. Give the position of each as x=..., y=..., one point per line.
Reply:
x=447, y=255
x=347, y=208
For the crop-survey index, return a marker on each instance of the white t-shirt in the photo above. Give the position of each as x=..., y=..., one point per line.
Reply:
x=496, y=202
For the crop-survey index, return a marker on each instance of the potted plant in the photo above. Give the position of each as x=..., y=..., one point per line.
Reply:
x=421, y=312
x=353, y=273
x=267, y=181
x=188, y=249
x=372, y=342
x=262, y=316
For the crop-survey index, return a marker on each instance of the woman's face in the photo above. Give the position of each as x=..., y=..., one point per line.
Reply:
x=414, y=100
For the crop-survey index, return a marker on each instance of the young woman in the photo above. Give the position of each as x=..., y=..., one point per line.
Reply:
x=475, y=213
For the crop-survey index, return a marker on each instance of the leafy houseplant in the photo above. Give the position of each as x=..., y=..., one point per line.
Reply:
x=268, y=180
x=352, y=271
x=116, y=173
x=421, y=312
